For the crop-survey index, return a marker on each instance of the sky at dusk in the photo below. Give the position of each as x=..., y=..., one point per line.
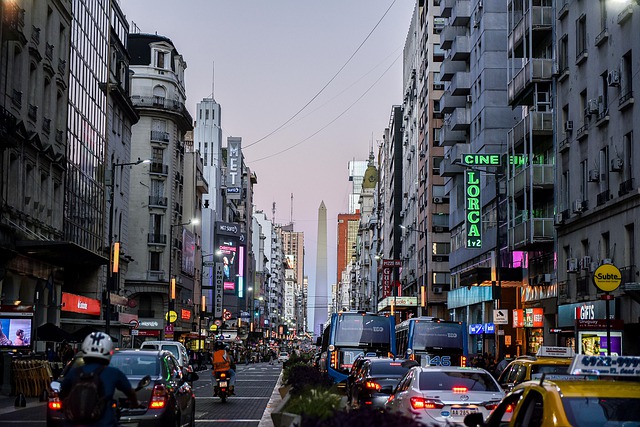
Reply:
x=298, y=83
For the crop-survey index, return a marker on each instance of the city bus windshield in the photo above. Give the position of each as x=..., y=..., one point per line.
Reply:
x=429, y=335
x=362, y=331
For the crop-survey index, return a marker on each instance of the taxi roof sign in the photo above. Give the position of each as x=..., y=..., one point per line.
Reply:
x=549, y=351
x=623, y=366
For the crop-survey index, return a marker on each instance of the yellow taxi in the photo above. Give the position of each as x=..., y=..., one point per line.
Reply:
x=606, y=392
x=548, y=360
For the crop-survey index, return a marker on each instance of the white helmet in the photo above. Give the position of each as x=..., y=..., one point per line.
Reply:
x=98, y=345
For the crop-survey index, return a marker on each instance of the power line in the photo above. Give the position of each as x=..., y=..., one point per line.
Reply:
x=327, y=84
x=335, y=119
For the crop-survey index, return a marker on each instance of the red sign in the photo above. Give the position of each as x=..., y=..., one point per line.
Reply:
x=518, y=318
x=386, y=282
x=80, y=304
x=185, y=314
x=533, y=318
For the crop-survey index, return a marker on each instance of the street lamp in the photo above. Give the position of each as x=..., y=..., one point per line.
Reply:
x=114, y=248
x=172, y=280
x=422, y=294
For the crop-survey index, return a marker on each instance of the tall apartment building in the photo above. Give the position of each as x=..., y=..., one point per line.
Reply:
x=162, y=234
x=356, y=174
x=347, y=253
x=293, y=247
x=34, y=85
x=476, y=60
x=597, y=171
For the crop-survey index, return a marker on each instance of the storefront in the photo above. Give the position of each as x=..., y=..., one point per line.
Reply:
x=532, y=320
x=583, y=326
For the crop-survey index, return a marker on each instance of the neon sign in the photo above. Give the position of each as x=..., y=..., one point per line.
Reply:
x=472, y=203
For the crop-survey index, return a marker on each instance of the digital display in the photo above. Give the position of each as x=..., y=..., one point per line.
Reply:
x=15, y=332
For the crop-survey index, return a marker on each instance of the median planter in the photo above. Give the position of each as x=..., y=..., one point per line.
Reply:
x=281, y=418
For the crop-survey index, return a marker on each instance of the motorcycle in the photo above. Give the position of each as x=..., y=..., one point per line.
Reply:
x=221, y=386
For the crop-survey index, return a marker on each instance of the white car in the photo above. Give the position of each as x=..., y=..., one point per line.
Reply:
x=283, y=357
x=436, y=395
x=175, y=347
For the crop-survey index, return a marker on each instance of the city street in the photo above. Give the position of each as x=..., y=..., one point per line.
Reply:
x=254, y=386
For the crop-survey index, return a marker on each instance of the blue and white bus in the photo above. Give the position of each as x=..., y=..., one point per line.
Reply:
x=432, y=342
x=350, y=334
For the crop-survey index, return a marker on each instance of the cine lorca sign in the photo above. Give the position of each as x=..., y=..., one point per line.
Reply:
x=472, y=204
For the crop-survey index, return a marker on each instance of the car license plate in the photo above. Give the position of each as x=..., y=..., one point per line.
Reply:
x=462, y=412
x=223, y=383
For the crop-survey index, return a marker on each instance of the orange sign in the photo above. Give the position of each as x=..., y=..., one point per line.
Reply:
x=185, y=314
x=80, y=304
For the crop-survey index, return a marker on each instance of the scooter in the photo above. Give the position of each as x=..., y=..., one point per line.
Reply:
x=221, y=387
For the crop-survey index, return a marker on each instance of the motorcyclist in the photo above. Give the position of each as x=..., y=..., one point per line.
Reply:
x=98, y=349
x=223, y=362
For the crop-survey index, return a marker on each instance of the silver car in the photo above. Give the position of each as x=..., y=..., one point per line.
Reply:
x=436, y=395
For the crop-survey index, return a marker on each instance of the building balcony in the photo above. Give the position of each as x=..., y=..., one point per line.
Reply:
x=460, y=84
x=460, y=49
x=159, y=136
x=159, y=168
x=448, y=102
x=157, y=201
x=167, y=105
x=536, y=70
x=446, y=8
x=449, y=68
x=461, y=13
x=202, y=185
x=449, y=137
x=13, y=25
x=533, y=176
x=537, y=23
x=158, y=239
x=460, y=119
x=530, y=232
x=448, y=35
x=536, y=124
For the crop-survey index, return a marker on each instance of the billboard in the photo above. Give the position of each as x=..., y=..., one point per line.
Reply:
x=234, y=168
x=188, y=252
x=230, y=247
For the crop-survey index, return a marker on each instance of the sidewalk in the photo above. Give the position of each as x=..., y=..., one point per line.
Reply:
x=7, y=404
x=274, y=402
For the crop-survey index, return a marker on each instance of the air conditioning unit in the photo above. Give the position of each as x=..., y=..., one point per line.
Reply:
x=613, y=78
x=585, y=263
x=438, y=229
x=616, y=165
x=559, y=218
x=568, y=126
x=469, y=99
x=437, y=289
x=594, y=175
x=546, y=278
x=592, y=106
x=572, y=265
x=606, y=261
x=577, y=206
x=438, y=200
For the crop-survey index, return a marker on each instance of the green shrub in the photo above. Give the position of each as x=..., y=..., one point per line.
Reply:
x=301, y=377
x=318, y=404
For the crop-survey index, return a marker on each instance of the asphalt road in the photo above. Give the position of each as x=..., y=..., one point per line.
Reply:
x=254, y=386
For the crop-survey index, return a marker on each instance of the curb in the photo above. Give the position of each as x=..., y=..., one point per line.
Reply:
x=274, y=401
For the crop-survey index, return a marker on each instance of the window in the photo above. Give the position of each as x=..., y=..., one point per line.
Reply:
x=154, y=265
x=436, y=164
x=628, y=156
x=563, y=49
x=581, y=38
x=626, y=70
x=441, y=248
x=160, y=59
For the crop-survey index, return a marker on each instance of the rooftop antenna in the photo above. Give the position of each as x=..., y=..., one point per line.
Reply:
x=291, y=219
x=213, y=80
x=273, y=213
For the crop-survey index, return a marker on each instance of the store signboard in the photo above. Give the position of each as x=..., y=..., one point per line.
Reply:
x=533, y=318
x=518, y=318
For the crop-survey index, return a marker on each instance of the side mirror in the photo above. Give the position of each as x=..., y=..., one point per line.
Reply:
x=474, y=419
x=145, y=381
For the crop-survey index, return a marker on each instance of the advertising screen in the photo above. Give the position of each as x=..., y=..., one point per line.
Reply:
x=15, y=332
x=228, y=250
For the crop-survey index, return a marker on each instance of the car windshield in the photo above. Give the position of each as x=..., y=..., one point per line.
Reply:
x=136, y=365
x=597, y=411
x=284, y=354
x=472, y=381
x=173, y=349
x=549, y=369
x=394, y=369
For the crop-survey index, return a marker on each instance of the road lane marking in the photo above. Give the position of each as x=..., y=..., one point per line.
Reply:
x=227, y=421
x=233, y=398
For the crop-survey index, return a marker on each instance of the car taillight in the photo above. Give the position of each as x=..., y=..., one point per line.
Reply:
x=509, y=408
x=463, y=361
x=372, y=385
x=55, y=404
x=422, y=403
x=158, y=397
x=491, y=406
x=459, y=390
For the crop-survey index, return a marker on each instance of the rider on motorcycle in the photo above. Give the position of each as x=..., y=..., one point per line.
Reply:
x=223, y=362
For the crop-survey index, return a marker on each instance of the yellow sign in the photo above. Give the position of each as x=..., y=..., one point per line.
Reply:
x=607, y=277
x=171, y=316
x=213, y=327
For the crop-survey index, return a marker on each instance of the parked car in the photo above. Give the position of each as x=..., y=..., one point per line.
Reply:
x=167, y=400
x=373, y=379
x=176, y=348
x=436, y=395
x=283, y=357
